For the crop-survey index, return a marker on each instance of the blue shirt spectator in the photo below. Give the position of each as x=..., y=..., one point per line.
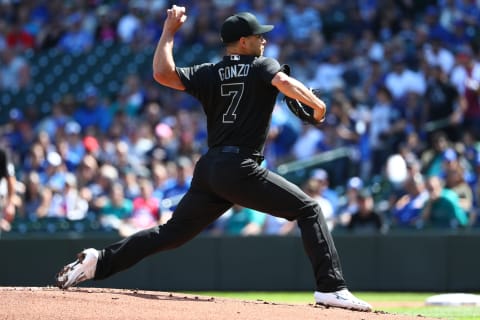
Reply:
x=179, y=185
x=407, y=209
x=76, y=39
x=92, y=114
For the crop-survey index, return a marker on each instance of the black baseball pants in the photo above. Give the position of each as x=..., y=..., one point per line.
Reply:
x=220, y=180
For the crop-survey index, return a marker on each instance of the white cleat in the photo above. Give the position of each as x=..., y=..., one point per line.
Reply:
x=341, y=299
x=80, y=270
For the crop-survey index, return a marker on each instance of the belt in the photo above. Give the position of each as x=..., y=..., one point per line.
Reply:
x=255, y=155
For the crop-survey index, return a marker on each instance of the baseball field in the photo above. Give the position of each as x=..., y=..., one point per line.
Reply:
x=97, y=303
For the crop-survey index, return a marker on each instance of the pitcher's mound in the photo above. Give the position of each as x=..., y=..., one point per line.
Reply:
x=93, y=303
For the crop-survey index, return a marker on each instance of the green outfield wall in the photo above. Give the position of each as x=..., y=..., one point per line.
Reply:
x=418, y=261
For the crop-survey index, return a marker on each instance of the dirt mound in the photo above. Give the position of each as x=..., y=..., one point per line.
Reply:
x=93, y=303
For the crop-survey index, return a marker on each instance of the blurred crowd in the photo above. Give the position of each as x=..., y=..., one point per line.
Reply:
x=401, y=80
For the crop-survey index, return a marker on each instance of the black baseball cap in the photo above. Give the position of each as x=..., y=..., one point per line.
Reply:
x=242, y=24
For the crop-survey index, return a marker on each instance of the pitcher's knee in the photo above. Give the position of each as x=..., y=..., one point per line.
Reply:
x=310, y=210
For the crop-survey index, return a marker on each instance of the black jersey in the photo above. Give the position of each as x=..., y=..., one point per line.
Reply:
x=6, y=168
x=237, y=97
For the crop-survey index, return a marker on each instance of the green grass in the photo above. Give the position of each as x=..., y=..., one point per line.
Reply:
x=448, y=313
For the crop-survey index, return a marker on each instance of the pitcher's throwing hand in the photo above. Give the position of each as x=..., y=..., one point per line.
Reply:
x=175, y=18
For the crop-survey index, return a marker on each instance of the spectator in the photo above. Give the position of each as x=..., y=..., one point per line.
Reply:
x=70, y=159
x=324, y=190
x=366, y=219
x=55, y=121
x=202, y=29
x=166, y=142
x=152, y=113
x=14, y=71
x=92, y=114
x=350, y=207
x=279, y=226
x=240, y=221
x=74, y=141
x=402, y=80
x=277, y=36
x=436, y=27
x=56, y=171
x=468, y=150
x=117, y=209
x=18, y=38
x=470, y=12
x=100, y=187
x=369, y=46
x=3, y=38
x=129, y=24
x=131, y=184
x=307, y=143
x=50, y=35
x=105, y=30
x=442, y=209
x=146, y=210
x=313, y=187
x=410, y=151
x=179, y=184
x=406, y=211
x=160, y=178
x=460, y=37
x=341, y=120
x=328, y=76
x=35, y=202
x=280, y=139
x=76, y=40
x=123, y=160
x=302, y=21
x=455, y=181
x=36, y=161
x=412, y=164
x=476, y=194
x=437, y=56
x=76, y=208
x=63, y=201
x=54, y=189
x=466, y=77
x=441, y=107
x=385, y=126
x=432, y=158
x=452, y=160
x=90, y=145
x=413, y=116
x=50, y=205
x=361, y=117
x=87, y=172
x=8, y=193
x=142, y=140
x=449, y=13
x=134, y=94
x=17, y=133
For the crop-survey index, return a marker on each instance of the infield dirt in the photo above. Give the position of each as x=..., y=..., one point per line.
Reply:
x=94, y=303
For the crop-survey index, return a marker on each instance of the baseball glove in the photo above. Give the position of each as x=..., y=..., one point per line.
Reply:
x=301, y=110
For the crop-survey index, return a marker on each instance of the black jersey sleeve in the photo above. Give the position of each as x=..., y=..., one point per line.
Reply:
x=6, y=168
x=195, y=78
x=268, y=68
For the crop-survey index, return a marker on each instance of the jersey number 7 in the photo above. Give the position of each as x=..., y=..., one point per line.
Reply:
x=235, y=92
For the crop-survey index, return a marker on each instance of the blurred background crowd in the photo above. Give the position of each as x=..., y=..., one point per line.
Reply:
x=98, y=146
